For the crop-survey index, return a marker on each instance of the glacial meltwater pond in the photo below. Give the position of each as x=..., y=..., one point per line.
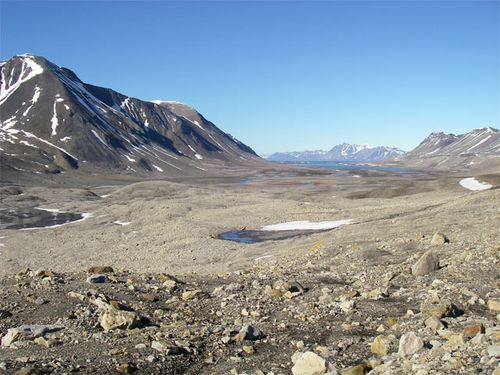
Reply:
x=26, y=218
x=281, y=231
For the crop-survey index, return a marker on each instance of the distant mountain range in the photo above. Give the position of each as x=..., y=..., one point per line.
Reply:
x=442, y=150
x=342, y=152
x=52, y=122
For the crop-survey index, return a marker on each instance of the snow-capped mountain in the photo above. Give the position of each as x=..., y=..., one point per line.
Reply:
x=441, y=150
x=52, y=122
x=342, y=152
x=477, y=141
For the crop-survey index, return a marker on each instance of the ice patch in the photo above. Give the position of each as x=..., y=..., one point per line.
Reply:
x=306, y=225
x=472, y=184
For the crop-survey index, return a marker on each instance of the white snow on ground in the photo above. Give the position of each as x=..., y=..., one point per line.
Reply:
x=55, y=122
x=306, y=225
x=196, y=155
x=54, y=210
x=36, y=95
x=9, y=123
x=26, y=143
x=85, y=216
x=122, y=223
x=472, y=184
x=29, y=70
x=98, y=137
x=65, y=139
x=129, y=158
x=30, y=135
x=477, y=144
x=158, y=168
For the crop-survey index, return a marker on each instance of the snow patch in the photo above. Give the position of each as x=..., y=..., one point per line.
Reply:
x=306, y=225
x=122, y=223
x=157, y=168
x=29, y=70
x=472, y=184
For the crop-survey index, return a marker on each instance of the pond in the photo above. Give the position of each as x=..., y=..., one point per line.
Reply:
x=253, y=236
x=28, y=218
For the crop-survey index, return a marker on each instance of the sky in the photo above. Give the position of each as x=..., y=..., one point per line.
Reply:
x=283, y=75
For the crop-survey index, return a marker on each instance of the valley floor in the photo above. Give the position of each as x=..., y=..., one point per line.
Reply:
x=179, y=300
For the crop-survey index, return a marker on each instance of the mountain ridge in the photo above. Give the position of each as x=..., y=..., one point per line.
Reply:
x=52, y=122
x=340, y=152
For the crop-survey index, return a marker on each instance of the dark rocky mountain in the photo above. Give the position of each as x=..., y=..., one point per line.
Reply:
x=53, y=122
x=441, y=150
x=342, y=152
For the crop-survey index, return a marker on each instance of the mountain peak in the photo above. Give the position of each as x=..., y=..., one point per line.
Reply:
x=52, y=121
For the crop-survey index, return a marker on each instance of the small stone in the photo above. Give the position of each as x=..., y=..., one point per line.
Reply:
x=494, y=351
x=439, y=239
x=40, y=301
x=248, y=349
x=380, y=346
x=309, y=363
x=271, y=292
x=409, y=344
x=473, y=329
x=356, y=370
x=44, y=342
x=429, y=262
x=248, y=332
x=27, y=371
x=191, y=294
x=434, y=323
x=494, y=305
x=126, y=368
x=442, y=309
x=454, y=342
x=97, y=279
x=100, y=269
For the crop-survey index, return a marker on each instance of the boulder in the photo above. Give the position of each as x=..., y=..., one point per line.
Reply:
x=409, y=344
x=309, y=363
x=113, y=318
x=429, y=262
x=439, y=239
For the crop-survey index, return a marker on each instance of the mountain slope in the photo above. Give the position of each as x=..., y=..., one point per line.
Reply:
x=52, y=122
x=342, y=152
x=440, y=150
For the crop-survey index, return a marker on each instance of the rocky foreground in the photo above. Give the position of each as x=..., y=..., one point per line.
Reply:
x=419, y=304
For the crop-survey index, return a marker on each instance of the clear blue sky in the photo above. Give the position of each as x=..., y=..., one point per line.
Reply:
x=283, y=75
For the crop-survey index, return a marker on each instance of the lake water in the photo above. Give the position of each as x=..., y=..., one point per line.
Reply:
x=25, y=218
x=348, y=166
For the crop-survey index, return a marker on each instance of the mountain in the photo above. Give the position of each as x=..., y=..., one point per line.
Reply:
x=342, y=152
x=52, y=122
x=441, y=150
